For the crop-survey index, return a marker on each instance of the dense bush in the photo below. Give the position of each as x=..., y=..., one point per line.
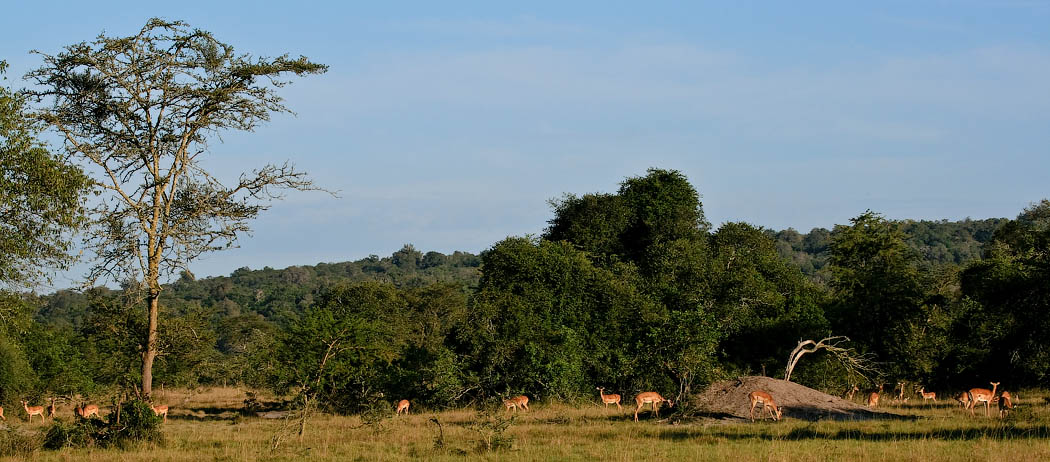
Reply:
x=137, y=424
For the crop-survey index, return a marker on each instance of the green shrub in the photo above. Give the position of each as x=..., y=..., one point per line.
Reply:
x=19, y=444
x=79, y=434
x=137, y=424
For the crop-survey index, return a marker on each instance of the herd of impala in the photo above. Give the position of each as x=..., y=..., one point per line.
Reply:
x=82, y=411
x=522, y=402
x=967, y=399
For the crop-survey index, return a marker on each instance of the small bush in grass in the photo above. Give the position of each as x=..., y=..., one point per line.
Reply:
x=251, y=403
x=491, y=426
x=78, y=434
x=15, y=443
x=375, y=416
x=137, y=424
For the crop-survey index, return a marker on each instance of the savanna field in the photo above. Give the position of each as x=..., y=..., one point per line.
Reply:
x=114, y=184
x=210, y=425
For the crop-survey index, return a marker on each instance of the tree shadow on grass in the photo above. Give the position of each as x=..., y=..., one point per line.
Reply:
x=1003, y=432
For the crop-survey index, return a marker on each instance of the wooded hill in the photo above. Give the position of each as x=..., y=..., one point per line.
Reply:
x=281, y=294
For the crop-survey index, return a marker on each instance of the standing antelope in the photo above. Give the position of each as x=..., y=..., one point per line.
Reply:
x=51, y=409
x=852, y=391
x=609, y=399
x=402, y=406
x=1005, y=404
x=32, y=411
x=650, y=397
x=162, y=409
x=982, y=394
x=927, y=396
x=87, y=411
x=900, y=394
x=517, y=402
x=763, y=398
x=873, y=398
x=2, y=414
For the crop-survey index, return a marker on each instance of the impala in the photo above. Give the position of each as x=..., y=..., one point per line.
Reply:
x=873, y=398
x=517, y=402
x=900, y=394
x=1005, y=404
x=32, y=411
x=609, y=399
x=162, y=409
x=2, y=414
x=852, y=391
x=402, y=406
x=51, y=409
x=87, y=411
x=982, y=394
x=650, y=397
x=763, y=398
x=927, y=396
x=963, y=399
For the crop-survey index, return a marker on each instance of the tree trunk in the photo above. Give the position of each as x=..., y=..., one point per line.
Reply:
x=153, y=300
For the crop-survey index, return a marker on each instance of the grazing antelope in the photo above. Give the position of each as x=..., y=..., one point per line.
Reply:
x=1005, y=404
x=609, y=399
x=873, y=398
x=32, y=411
x=402, y=406
x=162, y=409
x=2, y=414
x=927, y=396
x=982, y=394
x=852, y=391
x=517, y=402
x=87, y=411
x=763, y=398
x=650, y=397
x=963, y=399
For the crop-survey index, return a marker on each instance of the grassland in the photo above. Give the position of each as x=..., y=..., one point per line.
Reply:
x=204, y=427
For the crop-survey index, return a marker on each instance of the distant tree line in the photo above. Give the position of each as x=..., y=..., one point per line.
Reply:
x=938, y=243
x=631, y=290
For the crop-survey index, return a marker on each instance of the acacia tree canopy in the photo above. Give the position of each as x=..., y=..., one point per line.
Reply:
x=139, y=112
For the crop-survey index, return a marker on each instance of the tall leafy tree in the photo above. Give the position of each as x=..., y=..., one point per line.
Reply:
x=877, y=288
x=139, y=112
x=762, y=303
x=594, y=223
x=654, y=222
x=1012, y=287
x=41, y=196
x=339, y=352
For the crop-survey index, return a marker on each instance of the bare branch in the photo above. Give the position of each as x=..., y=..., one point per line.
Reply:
x=854, y=362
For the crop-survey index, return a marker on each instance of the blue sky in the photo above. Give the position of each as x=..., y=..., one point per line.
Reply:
x=449, y=126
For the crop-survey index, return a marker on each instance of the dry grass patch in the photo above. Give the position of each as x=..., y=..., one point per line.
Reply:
x=563, y=432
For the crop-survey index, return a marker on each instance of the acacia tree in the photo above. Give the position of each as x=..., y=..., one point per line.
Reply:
x=139, y=112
